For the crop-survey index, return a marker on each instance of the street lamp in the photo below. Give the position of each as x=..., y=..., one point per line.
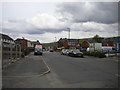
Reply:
x=55, y=39
x=68, y=33
x=69, y=36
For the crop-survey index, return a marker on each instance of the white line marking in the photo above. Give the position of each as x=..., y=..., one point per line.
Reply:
x=31, y=75
x=46, y=64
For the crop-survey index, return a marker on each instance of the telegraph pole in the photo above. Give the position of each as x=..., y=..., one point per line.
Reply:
x=55, y=39
x=69, y=35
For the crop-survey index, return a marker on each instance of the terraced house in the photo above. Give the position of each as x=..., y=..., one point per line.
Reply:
x=10, y=50
x=26, y=45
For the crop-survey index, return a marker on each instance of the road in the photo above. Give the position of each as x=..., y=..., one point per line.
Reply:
x=66, y=72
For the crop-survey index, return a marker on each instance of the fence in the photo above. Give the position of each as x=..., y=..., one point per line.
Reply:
x=11, y=51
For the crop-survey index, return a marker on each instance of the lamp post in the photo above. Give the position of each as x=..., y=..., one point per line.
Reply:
x=69, y=36
x=55, y=39
x=68, y=33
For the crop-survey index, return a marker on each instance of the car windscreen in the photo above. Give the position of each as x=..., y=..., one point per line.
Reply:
x=38, y=49
x=77, y=51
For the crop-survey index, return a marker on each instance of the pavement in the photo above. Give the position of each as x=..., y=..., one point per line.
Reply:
x=65, y=72
x=27, y=67
x=7, y=62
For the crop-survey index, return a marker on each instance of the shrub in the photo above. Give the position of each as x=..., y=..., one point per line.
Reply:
x=100, y=55
x=13, y=62
x=95, y=54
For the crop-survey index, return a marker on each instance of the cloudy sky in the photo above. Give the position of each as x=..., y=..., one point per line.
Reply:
x=44, y=21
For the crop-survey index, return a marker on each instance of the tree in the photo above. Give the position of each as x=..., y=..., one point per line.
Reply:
x=37, y=40
x=97, y=39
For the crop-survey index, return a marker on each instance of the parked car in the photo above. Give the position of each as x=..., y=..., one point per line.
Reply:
x=67, y=51
x=63, y=52
x=76, y=53
x=58, y=50
x=110, y=53
x=51, y=50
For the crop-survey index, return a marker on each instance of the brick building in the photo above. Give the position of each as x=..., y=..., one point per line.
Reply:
x=68, y=43
x=85, y=44
x=26, y=45
x=108, y=42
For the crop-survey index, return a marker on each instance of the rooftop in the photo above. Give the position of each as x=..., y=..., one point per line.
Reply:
x=6, y=37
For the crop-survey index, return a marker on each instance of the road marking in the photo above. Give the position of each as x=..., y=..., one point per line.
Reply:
x=46, y=65
x=53, y=78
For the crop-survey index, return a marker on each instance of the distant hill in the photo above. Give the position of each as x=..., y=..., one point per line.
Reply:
x=49, y=44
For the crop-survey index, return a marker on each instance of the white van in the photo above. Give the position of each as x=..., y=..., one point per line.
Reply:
x=38, y=50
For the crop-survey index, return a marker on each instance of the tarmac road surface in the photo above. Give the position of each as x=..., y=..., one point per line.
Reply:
x=65, y=72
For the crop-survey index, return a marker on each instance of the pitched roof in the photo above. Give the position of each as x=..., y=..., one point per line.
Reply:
x=6, y=37
x=19, y=39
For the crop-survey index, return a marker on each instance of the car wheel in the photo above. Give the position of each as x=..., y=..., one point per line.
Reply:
x=82, y=56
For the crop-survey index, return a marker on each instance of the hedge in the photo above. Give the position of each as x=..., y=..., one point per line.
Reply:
x=95, y=54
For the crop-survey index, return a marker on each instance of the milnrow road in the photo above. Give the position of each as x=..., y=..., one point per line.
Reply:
x=53, y=70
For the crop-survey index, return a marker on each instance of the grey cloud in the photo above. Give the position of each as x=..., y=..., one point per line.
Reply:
x=105, y=12
x=42, y=31
x=100, y=12
x=19, y=27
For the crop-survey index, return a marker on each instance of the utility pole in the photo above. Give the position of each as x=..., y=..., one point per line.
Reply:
x=68, y=33
x=69, y=36
x=55, y=39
